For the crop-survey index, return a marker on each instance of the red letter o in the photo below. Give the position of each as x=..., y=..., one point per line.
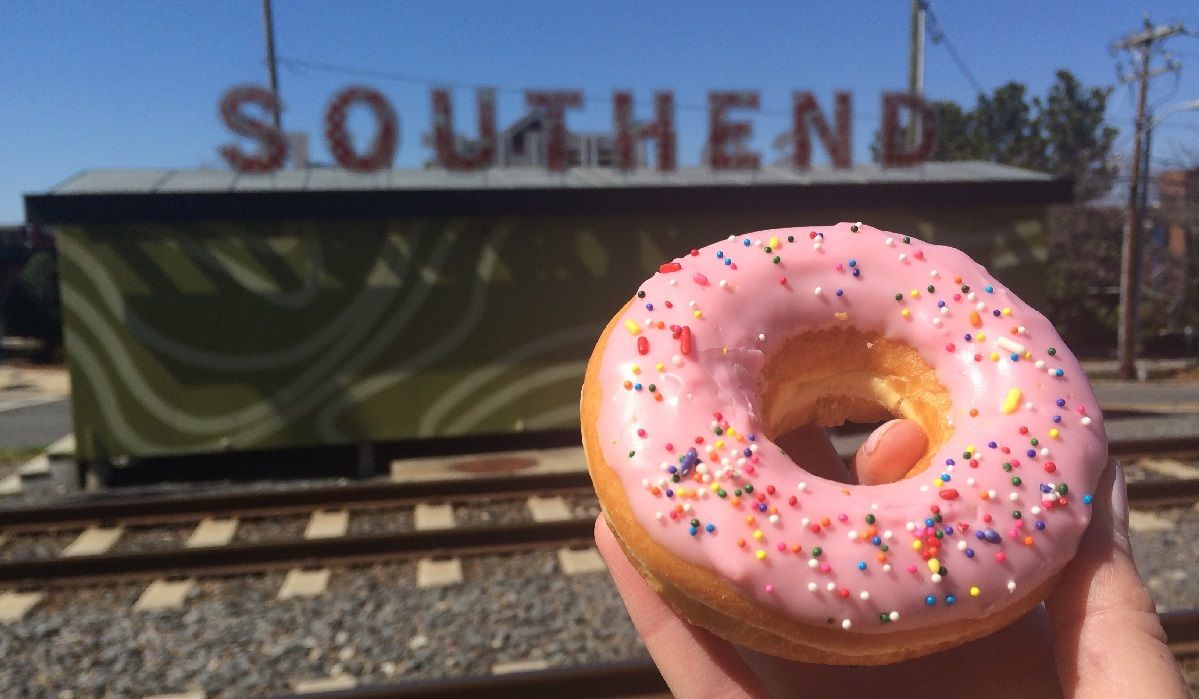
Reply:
x=382, y=149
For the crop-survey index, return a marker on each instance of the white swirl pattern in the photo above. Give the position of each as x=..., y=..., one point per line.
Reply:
x=464, y=390
x=375, y=383
x=247, y=424
x=365, y=310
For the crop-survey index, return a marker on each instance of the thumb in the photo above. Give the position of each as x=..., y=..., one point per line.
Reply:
x=692, y=660
x=889, y=452
x=1107, y=636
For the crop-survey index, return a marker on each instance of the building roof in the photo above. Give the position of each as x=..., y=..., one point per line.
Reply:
x=200, y=194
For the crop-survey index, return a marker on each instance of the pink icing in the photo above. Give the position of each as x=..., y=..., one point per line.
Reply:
x=678, y=374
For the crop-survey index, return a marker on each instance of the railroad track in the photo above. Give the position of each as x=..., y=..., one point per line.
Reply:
x=155, y=509
x=241, y=558
x=182, y=507
x=236, y=559
x=632, y=678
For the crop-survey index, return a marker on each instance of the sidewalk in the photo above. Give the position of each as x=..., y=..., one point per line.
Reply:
x=51, y=383
x=28, y=386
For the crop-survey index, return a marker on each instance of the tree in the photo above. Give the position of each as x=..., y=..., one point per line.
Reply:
x=1007, y=128
x=1078, y=143
x=957, y=139
x=1083, y=279
x=1062, y=135
x=32, y=307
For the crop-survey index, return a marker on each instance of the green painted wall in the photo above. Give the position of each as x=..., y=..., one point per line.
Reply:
x=187, y=338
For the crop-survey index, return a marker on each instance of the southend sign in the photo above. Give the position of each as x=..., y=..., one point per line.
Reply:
x=725, y=144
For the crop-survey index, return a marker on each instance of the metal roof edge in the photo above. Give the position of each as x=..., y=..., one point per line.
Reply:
x=559, y=200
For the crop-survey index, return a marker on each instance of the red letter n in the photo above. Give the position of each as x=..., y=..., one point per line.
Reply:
x=805, y=111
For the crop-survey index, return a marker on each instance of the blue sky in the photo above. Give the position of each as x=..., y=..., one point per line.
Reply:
x=136, y=84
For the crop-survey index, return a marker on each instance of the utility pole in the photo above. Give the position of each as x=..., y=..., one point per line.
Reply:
x=1141, y=45
x=1151, y=121
x=915, y=69
x=268, y=25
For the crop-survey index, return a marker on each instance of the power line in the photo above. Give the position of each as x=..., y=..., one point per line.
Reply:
x=303, y=64
x=937, y=34
x=427, y=81
x=357, y=71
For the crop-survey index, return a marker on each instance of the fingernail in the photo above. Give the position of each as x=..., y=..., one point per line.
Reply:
x=1119, y=500
x=872, y=441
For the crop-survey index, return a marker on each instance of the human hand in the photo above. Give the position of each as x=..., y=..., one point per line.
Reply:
x=1098, y=634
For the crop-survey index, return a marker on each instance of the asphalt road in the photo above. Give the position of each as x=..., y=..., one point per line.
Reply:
x=35, y=425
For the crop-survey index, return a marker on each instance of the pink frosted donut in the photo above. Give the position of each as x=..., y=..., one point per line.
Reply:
x=728, y=347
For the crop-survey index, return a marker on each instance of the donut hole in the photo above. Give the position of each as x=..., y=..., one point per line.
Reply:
x=820, y=450
x=810, y=445
x=843, y=376
x=849, y=436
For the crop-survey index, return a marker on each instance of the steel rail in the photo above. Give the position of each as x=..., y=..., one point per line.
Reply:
x=280, y=508
x=177, y=507
x=133, y=511
x=1163, y=493
x=1182, y=446
x=238, y=559
x=630, y=678
x=173, y=507
x=638, y=677
x=1182, y=631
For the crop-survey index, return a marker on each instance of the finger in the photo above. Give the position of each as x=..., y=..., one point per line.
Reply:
x=889, y=452
x=811, y=449
x=1107, y=637
x=692, y=660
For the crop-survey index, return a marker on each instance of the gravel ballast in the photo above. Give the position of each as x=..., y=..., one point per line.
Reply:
x=37, y=545
x=233, y=638
x=1166, y=557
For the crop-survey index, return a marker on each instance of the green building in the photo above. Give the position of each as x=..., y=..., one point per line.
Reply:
x=209, y=311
